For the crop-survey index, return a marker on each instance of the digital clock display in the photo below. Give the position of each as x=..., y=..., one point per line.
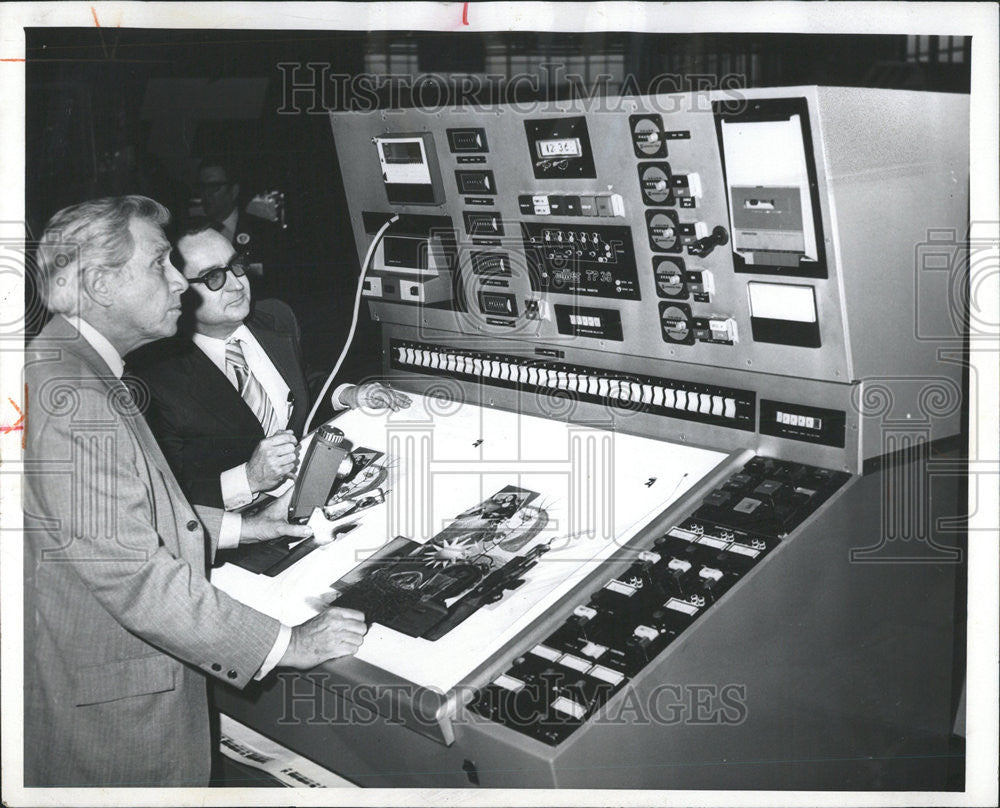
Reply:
x=560, y=147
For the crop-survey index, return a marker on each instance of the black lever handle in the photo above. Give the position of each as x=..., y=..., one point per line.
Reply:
x=703, y=246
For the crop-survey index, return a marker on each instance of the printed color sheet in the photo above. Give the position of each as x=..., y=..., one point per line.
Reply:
x=483, y=520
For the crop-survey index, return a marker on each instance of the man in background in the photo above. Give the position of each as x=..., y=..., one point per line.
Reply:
x=122, y=626
x=225, y=209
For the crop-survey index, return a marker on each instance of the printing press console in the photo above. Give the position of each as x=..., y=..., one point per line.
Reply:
x=677, y=502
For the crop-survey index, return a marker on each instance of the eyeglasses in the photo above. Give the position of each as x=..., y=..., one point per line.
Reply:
x=215, y=278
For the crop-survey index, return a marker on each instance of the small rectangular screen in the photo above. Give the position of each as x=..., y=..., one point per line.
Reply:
x=402, y=151
x=560, y=147
x=405, y=253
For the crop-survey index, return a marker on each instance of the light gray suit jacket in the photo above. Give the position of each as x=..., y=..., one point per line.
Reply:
x=121, y=622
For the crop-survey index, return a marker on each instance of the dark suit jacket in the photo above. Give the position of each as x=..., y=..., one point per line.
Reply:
x=121, y=623
x=200, y=420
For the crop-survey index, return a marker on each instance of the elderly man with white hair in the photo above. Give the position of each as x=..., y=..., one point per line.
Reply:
x=122, y=626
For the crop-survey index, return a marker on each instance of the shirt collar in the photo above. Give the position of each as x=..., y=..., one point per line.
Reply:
x=99, y=343
x=215, y=348
x=230, y=222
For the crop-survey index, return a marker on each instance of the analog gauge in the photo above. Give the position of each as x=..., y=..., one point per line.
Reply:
x=654, y=182
x=662, y=227
x=669, y=276
x=647, y=136
x=675, y=323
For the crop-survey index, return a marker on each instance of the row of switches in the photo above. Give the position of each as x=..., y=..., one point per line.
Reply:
x=636, y=392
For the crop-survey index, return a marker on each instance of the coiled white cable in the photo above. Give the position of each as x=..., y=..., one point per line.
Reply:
x=354, y=320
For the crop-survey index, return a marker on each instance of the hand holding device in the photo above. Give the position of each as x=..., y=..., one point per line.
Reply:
x=330, y=634
x=272, y=461
x=271, y=522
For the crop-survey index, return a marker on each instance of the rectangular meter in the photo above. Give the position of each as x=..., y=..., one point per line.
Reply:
x=410, y=169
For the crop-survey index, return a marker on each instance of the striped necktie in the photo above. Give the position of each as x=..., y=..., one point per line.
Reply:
x=250, y=388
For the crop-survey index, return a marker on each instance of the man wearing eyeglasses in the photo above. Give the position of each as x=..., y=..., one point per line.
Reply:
x=228, y=405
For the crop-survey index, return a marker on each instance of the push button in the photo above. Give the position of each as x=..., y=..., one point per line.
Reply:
x=717, y=498
x=232, y=674
x=747, y=505
x=216, y=666
x=193, y=525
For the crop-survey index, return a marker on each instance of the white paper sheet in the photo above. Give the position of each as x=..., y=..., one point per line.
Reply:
x=597, y=486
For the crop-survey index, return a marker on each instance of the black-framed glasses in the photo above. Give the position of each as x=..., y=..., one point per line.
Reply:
x=215, y=278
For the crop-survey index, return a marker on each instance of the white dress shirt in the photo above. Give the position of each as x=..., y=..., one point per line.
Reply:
x=232, y=523
x=235, y=485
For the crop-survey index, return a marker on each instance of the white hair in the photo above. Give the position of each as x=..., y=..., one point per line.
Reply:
x=90, y=234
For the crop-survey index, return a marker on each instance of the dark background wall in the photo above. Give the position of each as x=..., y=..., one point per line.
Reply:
x=114, y=111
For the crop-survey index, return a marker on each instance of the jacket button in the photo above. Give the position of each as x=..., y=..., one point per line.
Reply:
x=232, y=674
x=192, y=525
x=216, y=666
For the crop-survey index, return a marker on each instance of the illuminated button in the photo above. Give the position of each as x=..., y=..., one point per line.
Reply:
x=809, y=422
x=747, y=505
x=645, y=633
x=706, y=403
x=694, y=184
x=568, y=707
x=574, y=663
x=680, y=399
x=678, y=565
x=730, y=409
x=801, y=420
x=669, y=399
x=716, y=405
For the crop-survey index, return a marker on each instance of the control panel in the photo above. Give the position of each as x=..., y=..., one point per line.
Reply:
x=553, y=687
x=733, y=231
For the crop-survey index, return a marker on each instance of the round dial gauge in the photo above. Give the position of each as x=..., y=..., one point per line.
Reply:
x=654, y=180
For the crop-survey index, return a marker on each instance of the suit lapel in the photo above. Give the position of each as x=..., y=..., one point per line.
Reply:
x=279, y=350
x=119, y=398
x=216, y=393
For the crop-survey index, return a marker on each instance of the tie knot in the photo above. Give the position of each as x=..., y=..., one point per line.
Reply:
x=234, y=354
